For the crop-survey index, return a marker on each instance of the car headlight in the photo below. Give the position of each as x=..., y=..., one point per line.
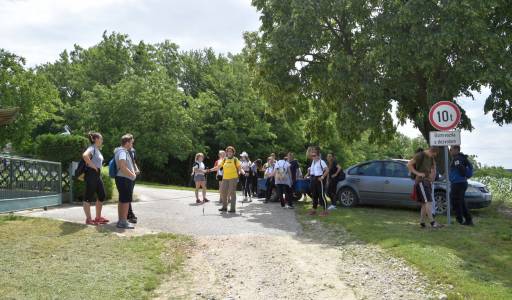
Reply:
x=473, y=190
x=484, y=190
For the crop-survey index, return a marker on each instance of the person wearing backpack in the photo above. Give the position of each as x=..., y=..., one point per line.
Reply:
x=461, y=170
x=125, y=179
x=269, y=177
x=283, y=181
x=199, y=172
x=318, y=173
x=336, y=175
x=93, y=183
x=423, y=170
x=231, y=167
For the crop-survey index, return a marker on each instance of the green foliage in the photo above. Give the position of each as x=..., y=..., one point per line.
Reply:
x=496, y=172
x=35, y=96
x=352, y=59
x=500, y=187
x=79, y=186
x=62, y=148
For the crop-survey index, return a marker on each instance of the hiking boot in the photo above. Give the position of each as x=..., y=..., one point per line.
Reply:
x=223, y=209
x=124, y=225
x=91, y=222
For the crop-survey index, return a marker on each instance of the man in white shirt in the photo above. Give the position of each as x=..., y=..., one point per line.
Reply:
x=318, y=171
x=283, y=181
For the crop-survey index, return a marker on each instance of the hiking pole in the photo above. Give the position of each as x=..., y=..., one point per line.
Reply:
x=323, y=196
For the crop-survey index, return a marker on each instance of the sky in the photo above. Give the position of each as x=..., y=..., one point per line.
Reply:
x=41, y=29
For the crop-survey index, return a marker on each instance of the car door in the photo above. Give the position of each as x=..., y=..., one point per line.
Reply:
x=369, y=182
x=398, y=185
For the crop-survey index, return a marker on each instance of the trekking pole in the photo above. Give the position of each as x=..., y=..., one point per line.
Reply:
x=323, y=196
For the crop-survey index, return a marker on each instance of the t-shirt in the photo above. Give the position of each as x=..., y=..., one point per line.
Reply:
x=283, y=166
x=217, y=163
x=230, y=167
x=122, y=154
x=269, y=170
x=200, y=166
x=246, y=165
x=317, y=168
x=96, y=156
x=424, y=164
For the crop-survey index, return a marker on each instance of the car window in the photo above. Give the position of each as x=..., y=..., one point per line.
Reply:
x=394, y=169
x=371, y=169
x=353, y=171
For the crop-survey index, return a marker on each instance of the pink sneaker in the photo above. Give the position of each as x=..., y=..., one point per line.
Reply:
x=91, y=222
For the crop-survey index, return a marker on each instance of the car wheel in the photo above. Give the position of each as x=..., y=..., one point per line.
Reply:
x=347, y=197
x=441, y=205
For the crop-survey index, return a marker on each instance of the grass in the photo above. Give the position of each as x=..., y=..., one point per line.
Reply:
x=171, y=187
x=46, y=259
x=477, y=261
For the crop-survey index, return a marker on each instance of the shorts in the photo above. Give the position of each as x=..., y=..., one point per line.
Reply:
x=423, y=191
x=125, y=189
x=93, y=186
x=199, y=178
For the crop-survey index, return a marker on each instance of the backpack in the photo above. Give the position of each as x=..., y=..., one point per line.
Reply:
x=281, y=173
x=469, y=168
x=82, y=167
x=112, y=168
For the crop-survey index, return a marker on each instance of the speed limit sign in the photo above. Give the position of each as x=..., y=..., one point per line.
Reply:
x=444, y=115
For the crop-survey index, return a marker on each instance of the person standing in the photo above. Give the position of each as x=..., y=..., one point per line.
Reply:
x=246, y=185
x=423, y=168
x=461, y=170
x=231, y=167
x=335, y=175
x=131, y=215
x=269, y=176
x=283, y=181
x=253, y=177
x=318, y=173
x=94, y=188
x=199, y=171
x=222, y=155
x=125, y=179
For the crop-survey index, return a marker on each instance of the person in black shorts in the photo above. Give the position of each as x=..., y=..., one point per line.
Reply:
x=125, y=179
x=94, y=188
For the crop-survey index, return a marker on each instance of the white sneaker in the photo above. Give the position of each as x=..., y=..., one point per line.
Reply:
x=332, y=207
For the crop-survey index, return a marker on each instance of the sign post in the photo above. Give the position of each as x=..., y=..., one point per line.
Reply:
x=445, y=116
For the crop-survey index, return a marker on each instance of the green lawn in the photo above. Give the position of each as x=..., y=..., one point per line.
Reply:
x=477, y=261
x=171, y=187
x=46, y=259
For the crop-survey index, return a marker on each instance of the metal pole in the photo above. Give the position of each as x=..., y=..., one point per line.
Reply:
x=448, y=185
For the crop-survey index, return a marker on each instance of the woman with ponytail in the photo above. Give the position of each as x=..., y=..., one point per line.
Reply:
x=94, y=188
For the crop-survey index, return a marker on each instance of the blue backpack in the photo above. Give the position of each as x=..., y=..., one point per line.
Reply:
x=112, y=168
x=469, y=169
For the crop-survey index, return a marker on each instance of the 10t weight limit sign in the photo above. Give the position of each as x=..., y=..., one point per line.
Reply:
x=444, y=115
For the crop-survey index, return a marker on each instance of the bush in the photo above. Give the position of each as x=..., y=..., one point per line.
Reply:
x=79, y=186
x=497, y=172
x=61, y=148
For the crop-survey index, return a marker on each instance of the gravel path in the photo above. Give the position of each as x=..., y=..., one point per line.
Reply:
x=262, y=252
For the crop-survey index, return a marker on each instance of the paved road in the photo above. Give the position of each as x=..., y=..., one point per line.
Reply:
x=163, y=210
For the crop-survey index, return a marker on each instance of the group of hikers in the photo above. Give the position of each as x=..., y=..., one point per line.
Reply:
x=280, y=173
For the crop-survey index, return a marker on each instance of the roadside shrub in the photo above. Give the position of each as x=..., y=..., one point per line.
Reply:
x=60, y=148
x=79, y=186
x=501, y=188
x=497, y=172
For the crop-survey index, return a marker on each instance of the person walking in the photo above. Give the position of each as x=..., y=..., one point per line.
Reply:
x=283, y=181
x=131, y=215
x=423, y=169
x=335, y=175
x=124, y=179
x=199, y=170
x=461, y=170
x=246, y=185
x=231, y=167
x=269, y=176
x=318, y=173
x=94, y=188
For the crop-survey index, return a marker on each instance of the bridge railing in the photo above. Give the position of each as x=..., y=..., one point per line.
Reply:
x=29, y=183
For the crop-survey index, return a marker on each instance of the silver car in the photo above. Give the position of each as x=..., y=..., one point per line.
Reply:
x=388, y=182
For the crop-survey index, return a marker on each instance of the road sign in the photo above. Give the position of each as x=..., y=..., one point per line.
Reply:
x=444, y=115
x=445, y=138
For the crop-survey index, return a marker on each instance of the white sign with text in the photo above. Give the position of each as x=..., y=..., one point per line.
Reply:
x=445, y=138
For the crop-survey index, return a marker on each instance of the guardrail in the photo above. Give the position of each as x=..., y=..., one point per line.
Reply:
x=29, y=183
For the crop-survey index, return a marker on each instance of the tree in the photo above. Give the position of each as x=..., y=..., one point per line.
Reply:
x=355, y=57
x=35, y=96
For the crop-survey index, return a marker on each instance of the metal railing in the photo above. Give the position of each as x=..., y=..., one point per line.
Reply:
x=26, y=178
